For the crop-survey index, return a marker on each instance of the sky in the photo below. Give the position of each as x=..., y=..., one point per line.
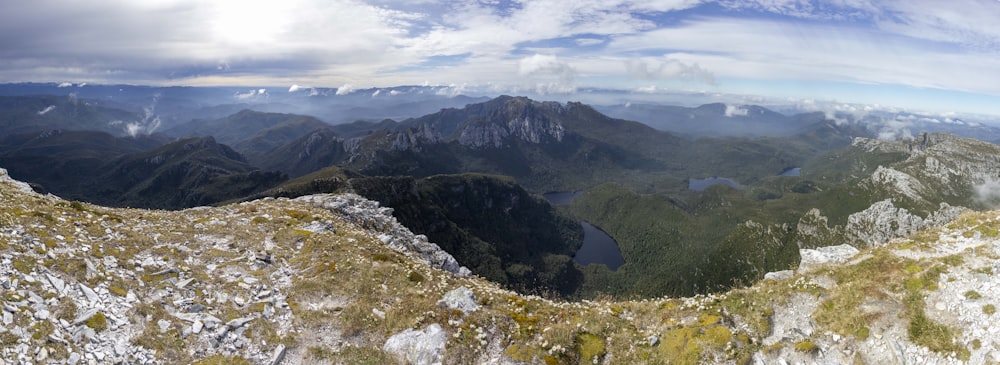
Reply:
x=929, y=55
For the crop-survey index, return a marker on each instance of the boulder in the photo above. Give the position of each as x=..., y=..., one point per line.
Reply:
x=423, y=347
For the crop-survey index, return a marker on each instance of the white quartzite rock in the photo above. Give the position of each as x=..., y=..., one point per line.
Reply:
x=826, y=255
x=460, y=298
x=422, y=347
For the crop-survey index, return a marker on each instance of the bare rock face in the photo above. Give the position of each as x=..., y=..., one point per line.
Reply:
x=884, y=221
x=22, y=186
x=414, y=139
x=528, y=128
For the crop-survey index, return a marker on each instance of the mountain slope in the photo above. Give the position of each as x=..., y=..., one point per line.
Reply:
x=184, y=173
x=24, y=114
x=251, y=132
x=58, y=160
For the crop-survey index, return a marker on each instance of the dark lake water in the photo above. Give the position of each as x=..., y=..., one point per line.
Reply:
x=598, y=248
x=561, y=197
x=702, y=184
x=795, y=171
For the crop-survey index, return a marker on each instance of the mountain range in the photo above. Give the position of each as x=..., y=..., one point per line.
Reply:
x=469, y=178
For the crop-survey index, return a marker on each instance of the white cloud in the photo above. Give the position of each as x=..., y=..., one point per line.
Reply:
x=951, y=45
x=588, y=41
x=46, y=110
x=736, y=111
x=668, y=68
x=988, y=193
x=646, y=89
x=345, y=89
x=452, y=90
x=252, y=94
x=549, y=73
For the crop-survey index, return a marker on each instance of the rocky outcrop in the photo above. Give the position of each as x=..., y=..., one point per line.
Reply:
x=423, y=347
x=370, y=215
x=414, y=139
x=883, y=221
x=528, y=128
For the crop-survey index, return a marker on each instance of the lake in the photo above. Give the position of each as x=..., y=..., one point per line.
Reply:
x=702, y=184
x=598, y=248
x=561, y=197
x=795, y=171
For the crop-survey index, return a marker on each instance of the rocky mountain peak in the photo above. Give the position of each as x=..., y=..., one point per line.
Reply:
x=518, y=118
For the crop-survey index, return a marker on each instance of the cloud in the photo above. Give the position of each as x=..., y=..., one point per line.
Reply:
x=549, y=73
x=926, y=44
x=988, y=193
x=668, y=68
x=585, y=42
x=345, y=89
x=46, y=110
x=452, y=90
x=736, y=111
x=252, y=94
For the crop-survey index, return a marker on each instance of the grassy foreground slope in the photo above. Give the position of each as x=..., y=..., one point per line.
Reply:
x=285, y=281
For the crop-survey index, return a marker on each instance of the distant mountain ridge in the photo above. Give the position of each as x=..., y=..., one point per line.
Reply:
x=634, y=179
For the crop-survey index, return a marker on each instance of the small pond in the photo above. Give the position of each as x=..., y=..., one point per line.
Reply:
x=598, y=248
x=702, y=184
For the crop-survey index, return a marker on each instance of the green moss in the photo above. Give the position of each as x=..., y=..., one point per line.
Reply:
x=121, y=292
x=41, y=330
x=717, y=336
x=25, y=264
x=589, y=346
x=678, y=346
x=706, y=319
x=98, y=322
x=862, y=333
x=973, y=295
x=989, y=309
x=807, y=347
x=416, y=277
x=8, y=339
x=953, y=260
